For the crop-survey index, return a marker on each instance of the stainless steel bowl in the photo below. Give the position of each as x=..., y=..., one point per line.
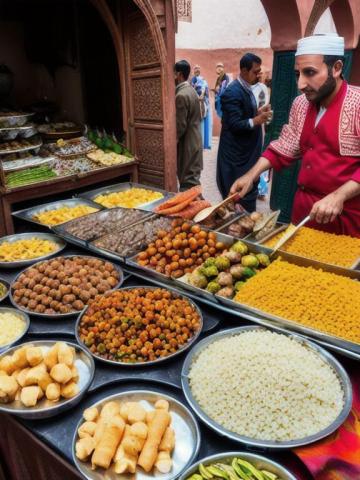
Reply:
x=269, y=444
x=258, y=461
x=15, y=120
x=24, y=317
x=45, y=408
x=154, y=362
x=7, y=286
x=187, y=436
x=10, y=133
x=61, y=315
x=25, y=236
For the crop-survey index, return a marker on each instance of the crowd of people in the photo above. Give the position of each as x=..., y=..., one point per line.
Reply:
x=323, y=131
x=201, y=102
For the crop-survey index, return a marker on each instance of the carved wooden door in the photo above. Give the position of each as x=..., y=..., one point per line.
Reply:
x=144, y=90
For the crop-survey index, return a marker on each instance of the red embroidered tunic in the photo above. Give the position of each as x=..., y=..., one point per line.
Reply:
x=330, y=154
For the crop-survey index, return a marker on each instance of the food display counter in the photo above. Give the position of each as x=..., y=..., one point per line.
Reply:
x=145, y=248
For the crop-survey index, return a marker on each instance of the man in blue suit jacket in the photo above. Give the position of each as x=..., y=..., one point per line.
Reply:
x=241, y=136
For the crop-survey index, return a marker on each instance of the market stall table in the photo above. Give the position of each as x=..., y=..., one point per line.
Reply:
x=49, y=441
x=8, y=197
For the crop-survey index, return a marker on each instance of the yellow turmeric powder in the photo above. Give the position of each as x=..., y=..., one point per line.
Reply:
x=341, y=250
x=320, y=300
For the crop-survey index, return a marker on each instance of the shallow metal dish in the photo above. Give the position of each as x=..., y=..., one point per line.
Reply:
x=7, y=286
x=154, y=362
x=60, y=315
x=26, y=321
x=259, y=462
x=14, y=120
x=187, y=436
x=45, y=408
x=10, y=133
x=270, y=444
x=24, y=236
x=28, y=213
x=36, y=146
x=122, y=187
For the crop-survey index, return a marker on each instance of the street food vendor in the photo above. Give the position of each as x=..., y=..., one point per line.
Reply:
x=324, y=132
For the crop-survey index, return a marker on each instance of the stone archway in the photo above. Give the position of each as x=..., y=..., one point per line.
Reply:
x=145, y=50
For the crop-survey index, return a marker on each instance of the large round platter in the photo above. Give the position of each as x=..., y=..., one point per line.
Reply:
x=269, y=444
x=25, y=318
x=45, y=408
x=14, y=119
x=258, y=461
x=26, y=236
x=187, y=437
x=7, y=286
x=22, y=149
x=61, y=315
x=154, y=362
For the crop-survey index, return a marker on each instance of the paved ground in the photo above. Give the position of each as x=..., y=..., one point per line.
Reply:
x=208, y=178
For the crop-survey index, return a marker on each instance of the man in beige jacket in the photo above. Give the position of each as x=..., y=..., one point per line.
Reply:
x=188, y=118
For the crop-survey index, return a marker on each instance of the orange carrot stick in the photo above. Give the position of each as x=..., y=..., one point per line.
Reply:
x=192, y=209
x=179, y=198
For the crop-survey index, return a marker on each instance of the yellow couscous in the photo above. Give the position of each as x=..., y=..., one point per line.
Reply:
x=63, y=214
x=319, y=300
x=341, y=250
x=132, y=198
x=26, y=249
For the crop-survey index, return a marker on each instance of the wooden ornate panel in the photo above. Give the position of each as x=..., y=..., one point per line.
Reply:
x=147, y=99
x=146, y=123
x=184, y=10
x=142, y=49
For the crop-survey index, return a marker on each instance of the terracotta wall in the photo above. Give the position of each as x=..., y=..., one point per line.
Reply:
x=207, y=59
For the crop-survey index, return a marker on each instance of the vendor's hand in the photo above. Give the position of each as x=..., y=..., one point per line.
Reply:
x=328, y=208
x=242, y=185
x=264, y=115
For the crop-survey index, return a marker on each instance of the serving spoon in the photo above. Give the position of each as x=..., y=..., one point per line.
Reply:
x=208, y=211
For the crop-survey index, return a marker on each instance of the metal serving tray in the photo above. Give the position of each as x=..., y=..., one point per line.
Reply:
x=283, y=227
x=102, y=217
x=327, y=357
x=258, y=461
x=14, y=120
x=7, y=286
x=204, y=293
x=117, y=256
x=221, y=237
x=22, y=149
x=154, y=362
x=187, y=436
x=121, y=187
x=26, y=320
x=28, y=213
x=25, y=236
x=45, y=408
x=327, y=339
x=60, y=315
x=10, y=133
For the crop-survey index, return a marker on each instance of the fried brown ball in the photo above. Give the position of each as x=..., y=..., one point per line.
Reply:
x=78, y=305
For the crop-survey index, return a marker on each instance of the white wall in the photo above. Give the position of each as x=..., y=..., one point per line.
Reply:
x=232, y=24
x=225, y=24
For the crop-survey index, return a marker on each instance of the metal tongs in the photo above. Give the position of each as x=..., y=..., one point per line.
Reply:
x=292, y=229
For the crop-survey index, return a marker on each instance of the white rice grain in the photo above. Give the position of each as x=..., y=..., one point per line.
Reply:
x=266, y=386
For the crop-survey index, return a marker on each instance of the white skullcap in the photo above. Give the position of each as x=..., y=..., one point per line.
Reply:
x=326, y=44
